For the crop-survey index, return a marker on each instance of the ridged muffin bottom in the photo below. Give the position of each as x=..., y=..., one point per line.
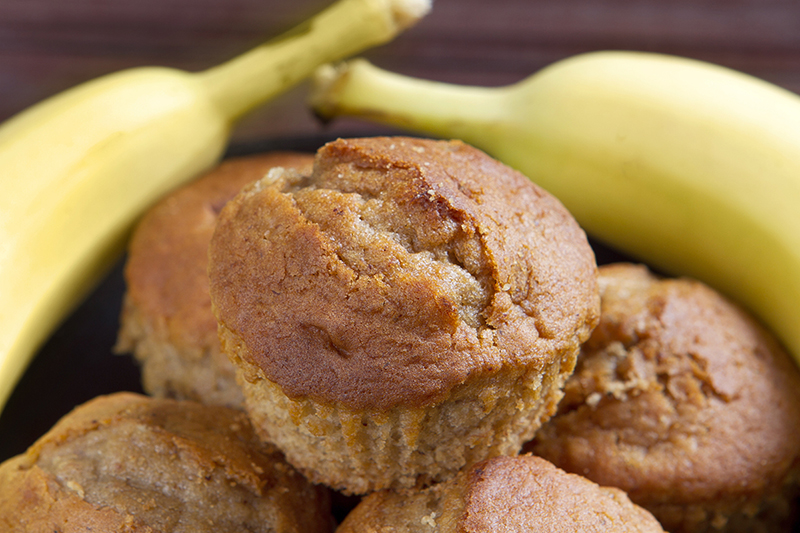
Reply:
x=360, y=451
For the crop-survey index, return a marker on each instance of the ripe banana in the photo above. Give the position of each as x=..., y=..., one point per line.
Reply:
x=689, y=167
x=77, y=169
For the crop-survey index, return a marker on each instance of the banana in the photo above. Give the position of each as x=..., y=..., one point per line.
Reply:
x=77, y=169
x=690, y=167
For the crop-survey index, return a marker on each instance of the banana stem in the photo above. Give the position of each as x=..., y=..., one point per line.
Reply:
x=343, y=29
x=358, y=88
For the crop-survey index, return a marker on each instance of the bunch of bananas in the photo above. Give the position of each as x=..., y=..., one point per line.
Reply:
x=79, y=168
x=689, y=167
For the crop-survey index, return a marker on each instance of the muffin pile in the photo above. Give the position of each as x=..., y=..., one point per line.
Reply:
x=409, y=308
x=417, y=333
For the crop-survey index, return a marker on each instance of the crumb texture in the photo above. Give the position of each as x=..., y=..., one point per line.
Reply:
x=503, y=495
x=685, y=402
x=167, y=321
x=401, y=268
x=360, y=451
x=129, y=463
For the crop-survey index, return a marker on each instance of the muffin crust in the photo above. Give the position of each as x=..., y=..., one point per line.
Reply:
x=167, y=321
x=502, y=495
x=129, y=463
x=681, y=399
x=393, y=274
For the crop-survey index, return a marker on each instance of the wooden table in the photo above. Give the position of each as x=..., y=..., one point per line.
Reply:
x=49, y=45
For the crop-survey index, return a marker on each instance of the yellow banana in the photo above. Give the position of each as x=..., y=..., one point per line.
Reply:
x=77, y=169
x=690, y=167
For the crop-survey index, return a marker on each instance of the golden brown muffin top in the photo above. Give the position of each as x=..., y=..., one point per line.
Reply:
x=527, y=493
x=503, y=495
x=399, y=269
x=678, y=397
x=166, y=269
x=126, y=462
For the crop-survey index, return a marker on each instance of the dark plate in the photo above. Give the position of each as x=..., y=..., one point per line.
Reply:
x=77, y=363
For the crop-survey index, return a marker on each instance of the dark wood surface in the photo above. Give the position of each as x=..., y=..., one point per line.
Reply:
x=49, y=45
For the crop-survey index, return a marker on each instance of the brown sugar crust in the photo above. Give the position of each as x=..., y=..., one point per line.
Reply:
x=130, y=463
x=500, y=495
x=682, y=400
x=530, y=493
x=394, y=273
x=167, y=319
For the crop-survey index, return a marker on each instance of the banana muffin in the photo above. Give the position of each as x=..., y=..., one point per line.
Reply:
x=131, y=463
x=166, y=320
x=503, y=495
x=410, y=307
x=683, y=401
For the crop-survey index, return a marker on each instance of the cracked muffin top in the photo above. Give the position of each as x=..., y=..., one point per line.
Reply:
x=397, y=270
x=503, y=495
x=127, y=462
x=678, y=397
x=527, y=493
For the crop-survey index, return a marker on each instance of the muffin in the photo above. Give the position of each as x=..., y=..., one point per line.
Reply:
x=410, y=307
x=131, y=463
x=166, y=320
x=503, y=495
x=683, y=401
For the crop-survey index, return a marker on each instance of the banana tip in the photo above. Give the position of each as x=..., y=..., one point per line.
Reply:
x=325, y=82
x=408, y=12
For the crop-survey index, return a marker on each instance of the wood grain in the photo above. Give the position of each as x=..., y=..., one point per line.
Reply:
x=49, y=45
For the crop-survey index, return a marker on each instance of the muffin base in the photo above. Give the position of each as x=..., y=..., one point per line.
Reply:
x=360, y=451
x=169, y=371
